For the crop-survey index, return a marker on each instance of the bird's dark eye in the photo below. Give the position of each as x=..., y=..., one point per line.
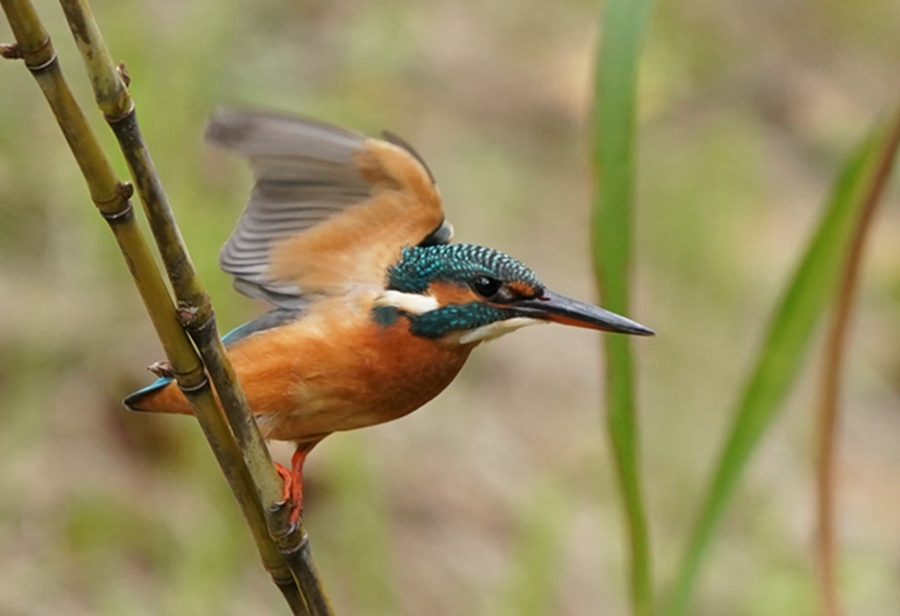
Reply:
x=485, y=286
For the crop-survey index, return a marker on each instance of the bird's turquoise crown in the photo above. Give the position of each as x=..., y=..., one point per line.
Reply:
x=462, y=264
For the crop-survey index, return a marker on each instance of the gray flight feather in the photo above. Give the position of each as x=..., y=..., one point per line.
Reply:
x=305, y=173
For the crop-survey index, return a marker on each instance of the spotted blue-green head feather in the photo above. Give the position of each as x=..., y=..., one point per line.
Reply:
x=505, y=295
x=419, y=266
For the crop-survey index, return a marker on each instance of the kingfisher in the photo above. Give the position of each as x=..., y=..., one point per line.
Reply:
x=375, y=310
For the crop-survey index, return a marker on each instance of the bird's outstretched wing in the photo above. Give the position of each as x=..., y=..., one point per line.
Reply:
x=330, y=210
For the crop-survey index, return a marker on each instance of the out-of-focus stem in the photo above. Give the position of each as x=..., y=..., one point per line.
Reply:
x=826, y=543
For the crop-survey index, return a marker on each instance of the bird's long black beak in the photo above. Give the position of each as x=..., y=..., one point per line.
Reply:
x=560, y=309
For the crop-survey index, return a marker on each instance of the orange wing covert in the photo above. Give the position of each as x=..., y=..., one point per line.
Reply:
x=330, y=209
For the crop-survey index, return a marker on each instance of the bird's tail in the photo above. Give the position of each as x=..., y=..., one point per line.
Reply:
x=161, y=396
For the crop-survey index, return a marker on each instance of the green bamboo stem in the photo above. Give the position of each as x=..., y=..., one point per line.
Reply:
x=194, y=306
x=113, y=200
x=110, y=196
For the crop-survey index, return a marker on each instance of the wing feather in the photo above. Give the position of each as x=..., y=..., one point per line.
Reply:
x=330, y=209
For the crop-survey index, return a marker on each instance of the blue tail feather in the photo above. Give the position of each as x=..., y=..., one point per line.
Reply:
x=133, y=400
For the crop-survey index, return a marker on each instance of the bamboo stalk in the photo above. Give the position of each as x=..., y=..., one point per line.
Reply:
x=829, y=392
x=194, y=307
x=113, y=199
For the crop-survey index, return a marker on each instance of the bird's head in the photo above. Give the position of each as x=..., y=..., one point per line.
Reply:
x=471, y=293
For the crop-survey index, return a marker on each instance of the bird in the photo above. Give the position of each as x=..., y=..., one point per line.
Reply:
x=375, y=310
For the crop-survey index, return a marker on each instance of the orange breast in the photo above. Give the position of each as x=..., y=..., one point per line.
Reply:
x=336, y=369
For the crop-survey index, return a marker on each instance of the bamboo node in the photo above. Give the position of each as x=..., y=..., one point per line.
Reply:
x=123, y=192
x=187, y=314
x=114, y=119
x=302, y=546
x=37, y=68
x=192, y=388
x=197, y=315
x=125, y=212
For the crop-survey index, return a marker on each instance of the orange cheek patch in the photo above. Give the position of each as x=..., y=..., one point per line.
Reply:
x=447, y=293
x=522, y=289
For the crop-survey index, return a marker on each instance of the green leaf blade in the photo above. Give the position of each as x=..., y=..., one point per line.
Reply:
x=781, y=356
x=613, y=138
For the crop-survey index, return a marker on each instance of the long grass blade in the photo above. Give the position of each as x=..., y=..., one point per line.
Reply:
x=829, y=386
x=791, y=326
x=614, y=122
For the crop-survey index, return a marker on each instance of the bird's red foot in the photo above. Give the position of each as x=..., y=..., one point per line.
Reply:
x=287, y=481
x=290, y=494
x=292, y=483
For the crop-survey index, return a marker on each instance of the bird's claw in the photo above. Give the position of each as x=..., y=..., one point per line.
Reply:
x=289, y=495
x=287, y=483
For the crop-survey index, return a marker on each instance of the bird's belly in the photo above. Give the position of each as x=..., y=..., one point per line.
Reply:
x=304, y=387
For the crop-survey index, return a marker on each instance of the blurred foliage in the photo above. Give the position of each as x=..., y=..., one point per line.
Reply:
x=746, y=109
x=810, y=292
x=614, y=136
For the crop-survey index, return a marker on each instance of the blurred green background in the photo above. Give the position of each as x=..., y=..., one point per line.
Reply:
x=497, y=498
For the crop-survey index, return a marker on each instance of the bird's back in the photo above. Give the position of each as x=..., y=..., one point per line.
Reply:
x=334, y=368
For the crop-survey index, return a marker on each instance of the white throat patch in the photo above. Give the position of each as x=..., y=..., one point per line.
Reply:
x=411, y=303
x=497, y=329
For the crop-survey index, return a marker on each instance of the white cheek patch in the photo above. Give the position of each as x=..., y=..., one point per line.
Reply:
x=497, y=329
x=411, y=303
